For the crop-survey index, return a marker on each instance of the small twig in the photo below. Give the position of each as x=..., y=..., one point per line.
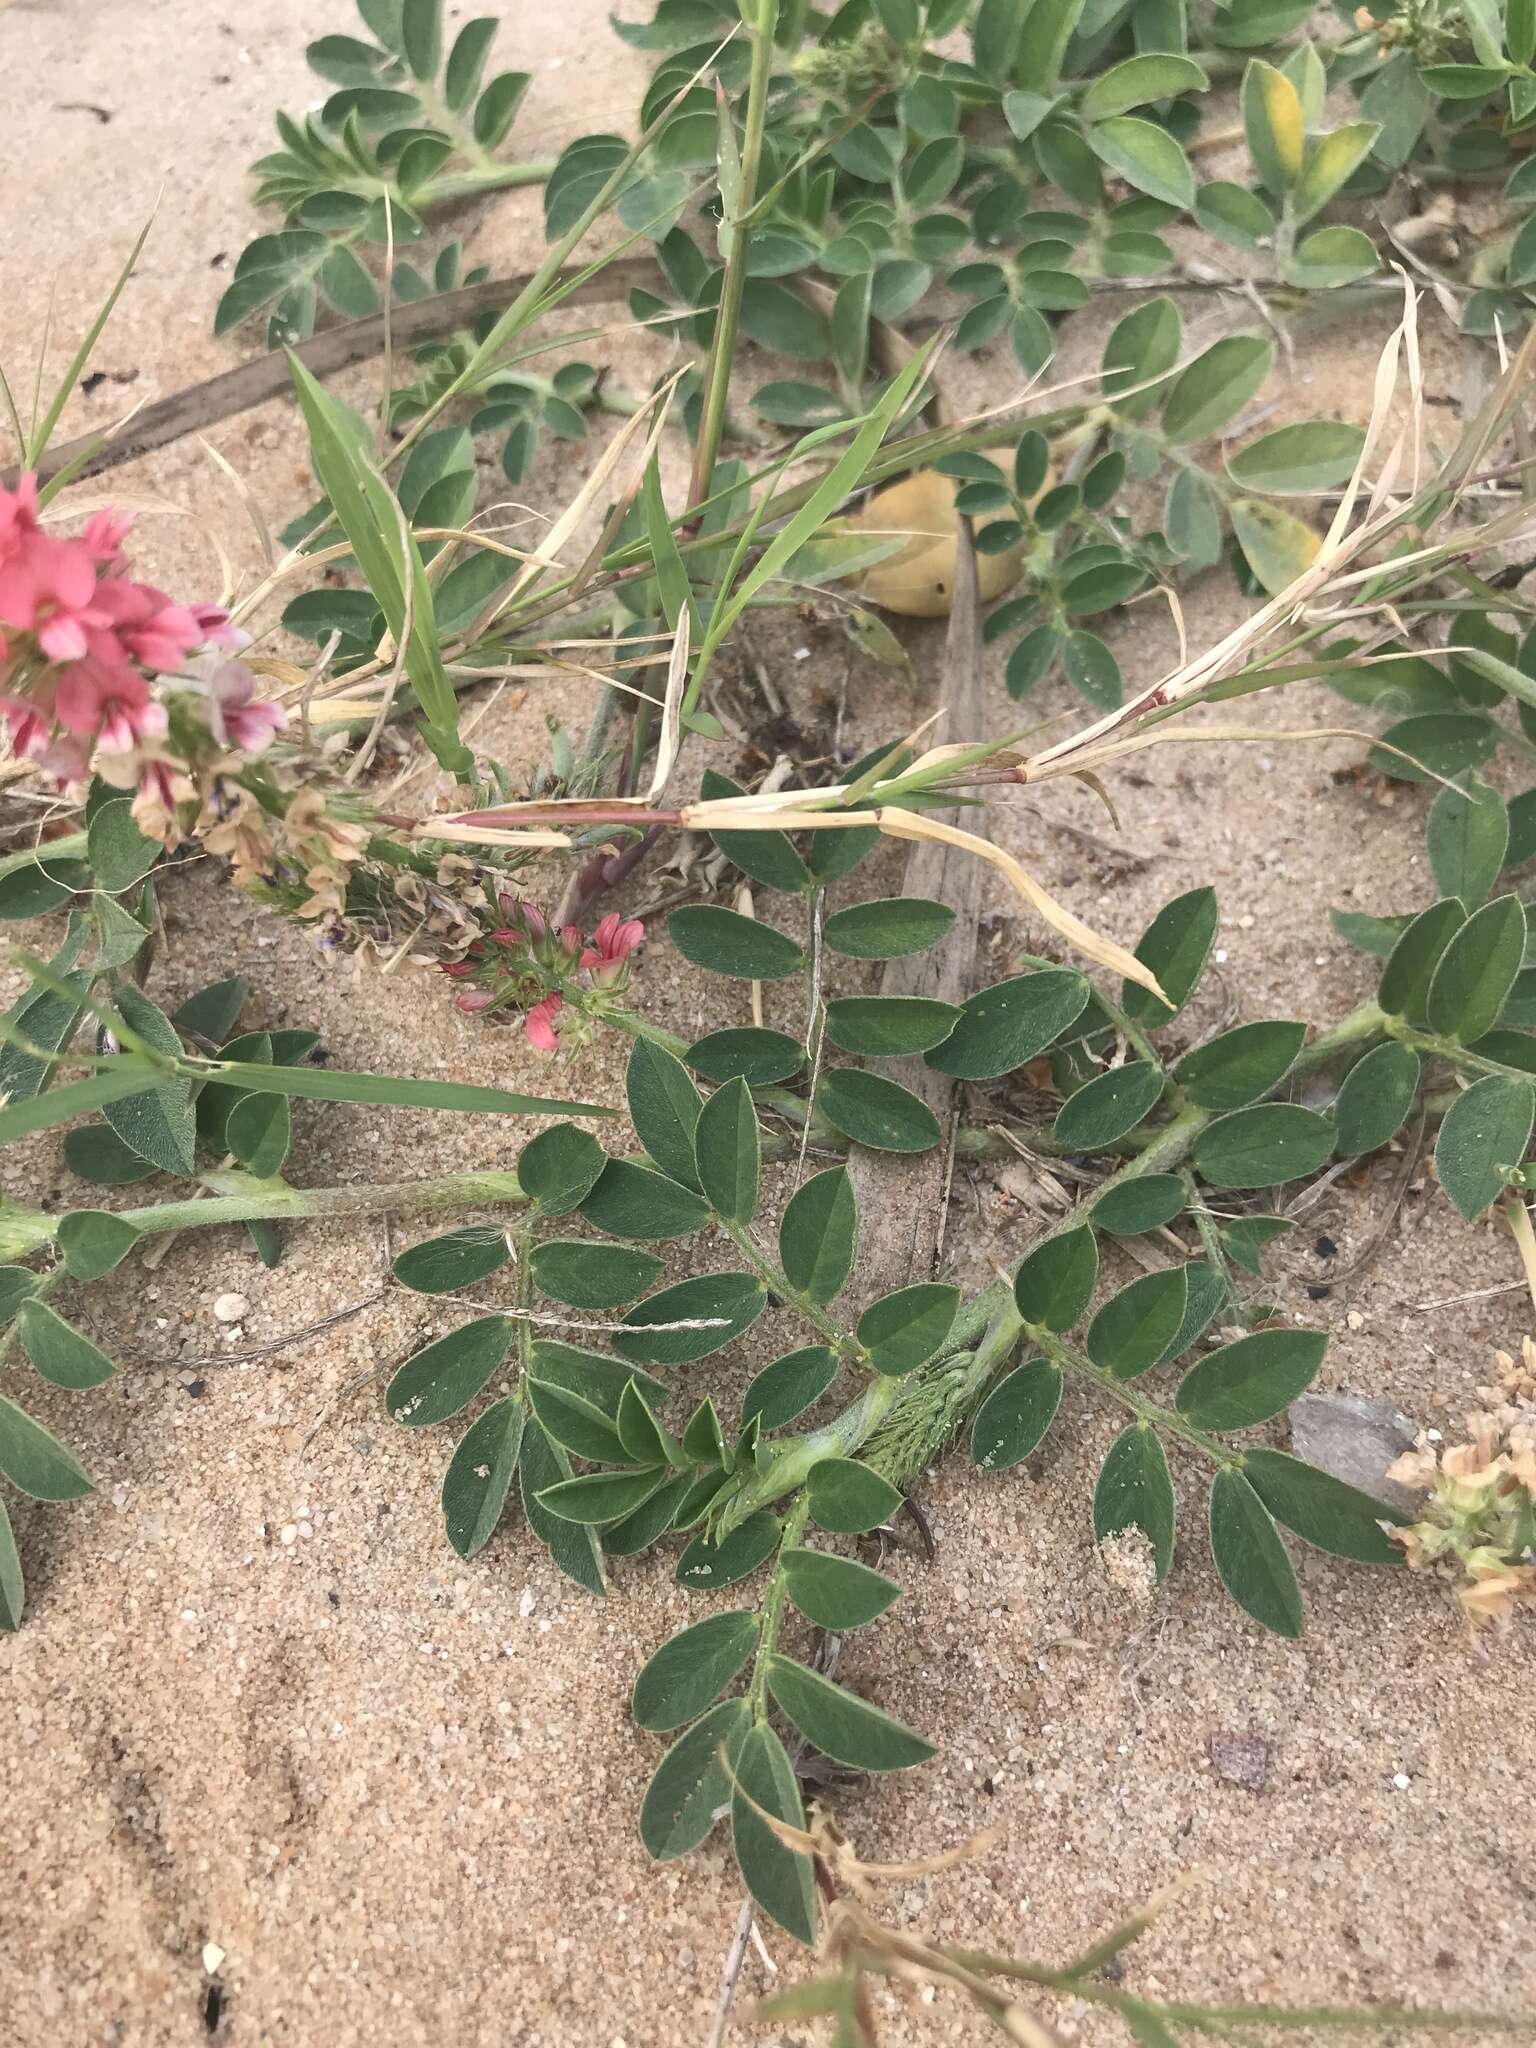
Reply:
x=339, y=1315
x=1473, y=1294
x=735, y=1956
x=531, y=1315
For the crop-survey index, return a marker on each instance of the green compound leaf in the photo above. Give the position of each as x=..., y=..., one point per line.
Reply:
x=1239, y=1066
x=887, y=928
x=1134, y=1491
x=709, y=1567
x=1146, y=156
x=1016, y=1415
x=1404, y=988
x=1324, y=1511
x=59, y=1352
x=1250, y=1557
x=836, y=1592
x=259, y=1131
x=1374, y=1099
x=632, y=1201
x=757, y=1057
x=592, y=1276
x=876, y=1112
x=13, y=1590
x=846, y=1498
x=578, y=1425
x=789, y=1386
x=1175, y=945
x=768, y=858
x=664, y=1107
x=904, y=1330
x=448, y=1374
x=158, y=1123
x=841, y=1726
x=1468, y=839
x=1216, y=386
x=94, y=1242
x=691, y=1783
x=1144, y=1203
x=1312, y=456
x=885, y=1027
x=1055, y=1284
x=1263, y=1146
x=819, y=1233
x=724, y=942
x=480, y=1475
x=34, y=1460
x=780, y=1880
x=1136, y=1327
x=728, y=1151
x=1005, y=1026
x=732, y=1302
x=1477, y=970
x=689, y=1670
x=574, y=1549
x=1251, y=1380
x=461, y=1258
x=1486, y=1132
x=1109, y=1105
x=560, y=1167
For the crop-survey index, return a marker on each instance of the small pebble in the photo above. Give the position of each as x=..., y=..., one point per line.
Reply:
x=1402, y=1781
x=213, y=1955
x=231, y=1308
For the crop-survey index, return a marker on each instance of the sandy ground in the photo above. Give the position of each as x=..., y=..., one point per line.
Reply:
x=257, y=1701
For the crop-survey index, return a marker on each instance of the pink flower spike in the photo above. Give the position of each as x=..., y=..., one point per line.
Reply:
x=539, y=1024
x=537, y=927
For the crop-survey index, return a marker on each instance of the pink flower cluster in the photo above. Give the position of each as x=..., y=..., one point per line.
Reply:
x=79, y=641
x=520, y=959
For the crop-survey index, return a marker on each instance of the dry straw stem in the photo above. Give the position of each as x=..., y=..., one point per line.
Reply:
x=1304, y=604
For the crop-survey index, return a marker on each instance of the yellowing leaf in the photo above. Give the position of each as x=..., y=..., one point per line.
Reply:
x=1279, y=546
x=1273, y=124
x=1330, y=161
x=919, y=580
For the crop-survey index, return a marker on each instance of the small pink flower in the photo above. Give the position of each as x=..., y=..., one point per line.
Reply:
x=48, y=587
x=509, y=935
x=104, y=535
x=216, y=628
x=239, y=717
x=145, y=623
x=475, y=999
x=459, y=970
x=539, y=1024
x=612, y=942
x=538, y=928
x=112, y=703
x=29, y=726
x=18, y=514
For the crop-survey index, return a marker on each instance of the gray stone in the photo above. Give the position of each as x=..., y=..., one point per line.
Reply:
x=1356, y=1440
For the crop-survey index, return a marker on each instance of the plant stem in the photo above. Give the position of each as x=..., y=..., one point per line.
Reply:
x=722, y=353
x=494, y=178
x=70, y=847
x=773, y=1608
x=240, y=1198
x=847, y=1432
x=777, y=1282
